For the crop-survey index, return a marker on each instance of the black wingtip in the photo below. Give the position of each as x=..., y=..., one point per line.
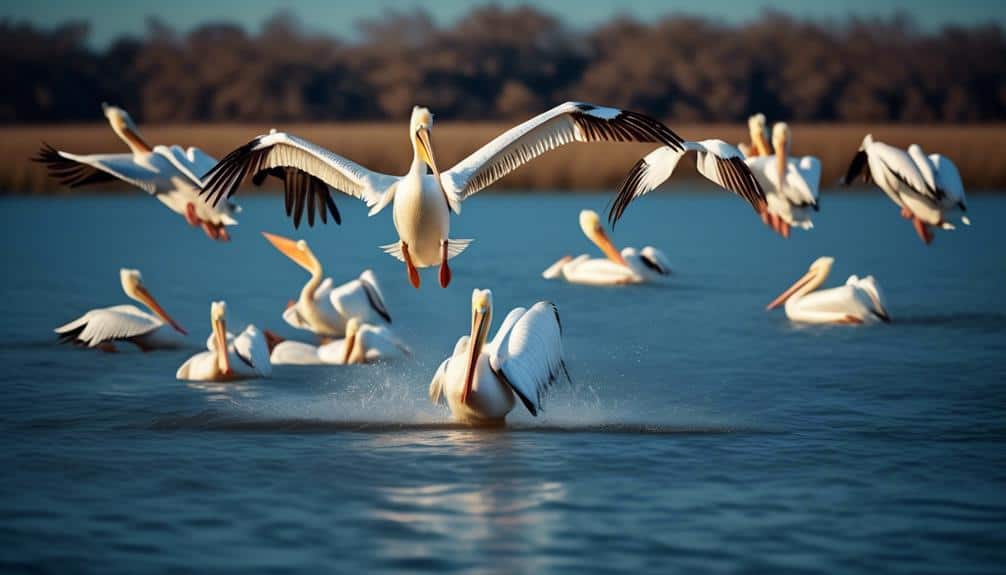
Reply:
x=627, y=191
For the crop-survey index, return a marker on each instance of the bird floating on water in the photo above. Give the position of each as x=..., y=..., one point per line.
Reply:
x=170, y=174
x=228, y=358
x=101, y=328
x=928, y=189
x=363, y=343
x=423, y=202
x=480, y=380
x=858, y=301
x=628, y=266
x=322, y=309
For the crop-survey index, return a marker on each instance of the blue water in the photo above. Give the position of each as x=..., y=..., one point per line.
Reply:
x=702, y=433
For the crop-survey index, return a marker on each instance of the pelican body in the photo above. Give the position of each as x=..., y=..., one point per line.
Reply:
x=791, y=183
x=170, y=174
x=858, y=301
x=363, y=344
x=481, y=382
x=928, y=189
x=322, y=309
x=228, y=358
x=628, y=266
x=101, y=328
x=423, y=201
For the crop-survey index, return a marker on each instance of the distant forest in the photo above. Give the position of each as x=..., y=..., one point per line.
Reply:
x=506, y=64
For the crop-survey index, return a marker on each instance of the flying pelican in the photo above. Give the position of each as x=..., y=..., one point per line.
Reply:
x=758, y=130
x=626, y=267
x=228, y=358
x=717, y=160
x=790, y=184
x=423, y=202
x=102, y=327
x=858, y=301
x=927, y=188
x=170, y=174
x=322, y=309
x=479, y=381
x=363, y=344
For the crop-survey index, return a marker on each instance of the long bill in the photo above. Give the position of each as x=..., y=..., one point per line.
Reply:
x=293, y=250
x=791, y=290
x=349, y=342
x=155, y=307
x=480, y=325
x=780, y=166
x=220, y=333
x=604, y=242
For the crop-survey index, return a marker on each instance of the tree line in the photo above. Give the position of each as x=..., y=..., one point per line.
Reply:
x=509, y=63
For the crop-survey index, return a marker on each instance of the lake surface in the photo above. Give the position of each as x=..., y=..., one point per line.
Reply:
x=701, y=433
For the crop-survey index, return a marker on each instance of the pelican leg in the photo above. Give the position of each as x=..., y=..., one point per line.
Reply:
x=223, y=234
x=784, y=228
x=907, y=214
x=211, y=230
x=190, y=214
x=410, y=267
x=925, y=234
x=445, y=270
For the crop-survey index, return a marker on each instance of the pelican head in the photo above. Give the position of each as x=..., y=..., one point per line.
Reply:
x=420, y=126
x=218, y=313
x=757, y=127
x=298, y=251
x=124, y=127
x=351, y=343
x=482, y=317
x=590, y=223
x=132, y=285
x=815, y=276
x=781, y=137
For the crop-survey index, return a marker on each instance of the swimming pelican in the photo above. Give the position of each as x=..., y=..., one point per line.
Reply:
x=717, y=160
x=101, y=328
x=363, y=343
x=758, y=130
x=170, y=174
x=626, y=267
x=322, y=309
x=858, y=301
x=479, y=381
x=790, y=184
x=927, y=188
x=228, y=358
x=423, y=202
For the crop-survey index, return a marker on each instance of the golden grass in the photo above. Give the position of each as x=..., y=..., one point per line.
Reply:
x=977, y=150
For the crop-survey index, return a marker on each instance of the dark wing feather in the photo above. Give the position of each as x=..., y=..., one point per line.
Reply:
x=69, y=172
x=859, y=165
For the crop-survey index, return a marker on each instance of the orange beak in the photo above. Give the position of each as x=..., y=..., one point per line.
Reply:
x=150, y=302
x=609, y=249
x=479, y=329
x=792, y=289
x=426, y=150
x=292, y=250
x=220, y=331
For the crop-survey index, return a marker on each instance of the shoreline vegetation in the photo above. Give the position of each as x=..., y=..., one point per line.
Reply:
x=383, y=146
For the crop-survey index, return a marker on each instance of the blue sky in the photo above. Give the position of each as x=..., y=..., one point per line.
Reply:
x=112, y=18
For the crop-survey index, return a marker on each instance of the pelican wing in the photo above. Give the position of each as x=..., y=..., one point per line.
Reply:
x=655, y=260
x=867, y=290
x=192, y=163
x=526, y=353
x=76, y=170
x=108, y=324
x=361, y=298
x=251, y=348
x=563, y=124
x=440, y=377
x=307, y=169
x=800, y=184
x=716, y=160
x=900, y=165
x=859, y=166
x=948, y=179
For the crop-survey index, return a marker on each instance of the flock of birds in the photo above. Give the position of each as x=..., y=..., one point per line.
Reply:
x=481, y=380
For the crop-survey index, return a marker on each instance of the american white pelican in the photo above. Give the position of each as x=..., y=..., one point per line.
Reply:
x=170, y=174
x=322, y=309
x=102, y=327
x=717, y=160
x=626, y=267
x=423, y=202
x=363, y=343
x=790, y=184
x=927, y=188
x=858, y=301
x=758, y=130
x=479, y=381
x=228, y=358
